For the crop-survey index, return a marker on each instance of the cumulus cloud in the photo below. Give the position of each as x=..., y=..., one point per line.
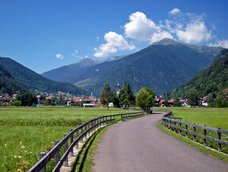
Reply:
x=114, y=43
x=221, y=43
x=174, y=11
x=59, y=56
x=194, y=32
x=140, y=27
x=160, y=35
x=179, y=25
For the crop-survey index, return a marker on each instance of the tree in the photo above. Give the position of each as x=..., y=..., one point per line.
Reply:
x=221, y=101
x=27, y=100
x=116, y=101
x=193, y=97
x=107, y=95
x=211, y=100
x=177, y=103
x=126, y=96
x=145, y=99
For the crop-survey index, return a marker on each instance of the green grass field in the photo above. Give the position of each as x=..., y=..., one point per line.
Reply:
x=24, y=132
x=212, y=117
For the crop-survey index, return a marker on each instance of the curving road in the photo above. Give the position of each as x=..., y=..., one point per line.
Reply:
x=139, y=146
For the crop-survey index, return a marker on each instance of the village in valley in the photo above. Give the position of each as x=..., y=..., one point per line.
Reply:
x=66, y=99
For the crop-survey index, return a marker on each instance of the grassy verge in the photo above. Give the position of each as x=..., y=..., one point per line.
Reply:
x=200, y=147
x=84, y=161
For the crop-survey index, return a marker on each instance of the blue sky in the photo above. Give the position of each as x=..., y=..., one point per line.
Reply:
x=46, y=34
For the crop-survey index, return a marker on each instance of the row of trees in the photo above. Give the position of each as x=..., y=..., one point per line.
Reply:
x=144, y=98
x=218, y=99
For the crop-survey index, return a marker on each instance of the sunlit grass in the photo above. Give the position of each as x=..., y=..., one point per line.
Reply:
x=212, y=117
x=37, y=128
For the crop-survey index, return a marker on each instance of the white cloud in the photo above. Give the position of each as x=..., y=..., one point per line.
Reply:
x=114, y=43
x=179, y=25
x=174, y=11
x=140, y=27
x=194, y=32
x=97, y=37
x=221, y=43
x=59, y=56
x=160, y=35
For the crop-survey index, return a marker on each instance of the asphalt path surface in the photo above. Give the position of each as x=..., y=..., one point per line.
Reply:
x=139, y=146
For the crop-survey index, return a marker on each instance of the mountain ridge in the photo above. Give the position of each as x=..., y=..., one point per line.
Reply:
x=33, y=81
x=8, y=84
x=212, y=80
x=160, y=67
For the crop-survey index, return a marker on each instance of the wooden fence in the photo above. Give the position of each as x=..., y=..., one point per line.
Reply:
x=215, y=138
x=64, y=148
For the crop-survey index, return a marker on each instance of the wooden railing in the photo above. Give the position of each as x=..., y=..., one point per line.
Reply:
x=215, y=138
x=64, y=148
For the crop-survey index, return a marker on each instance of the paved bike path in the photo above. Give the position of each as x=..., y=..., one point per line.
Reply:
x=139, y=146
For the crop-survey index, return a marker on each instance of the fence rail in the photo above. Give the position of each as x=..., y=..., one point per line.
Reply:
x=212, y=137
x=72, y=139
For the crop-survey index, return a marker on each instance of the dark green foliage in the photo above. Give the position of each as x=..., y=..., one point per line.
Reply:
x=193, y=97
x=116, y=101
x=163, y=66
x=27, y=100
x=16, y=103
x=177, y=103
x=8, y=84
x=126, y=96
x=211, y=99
x=211, y=82
x=145, y=98
x=33, y=81
x=221, y=101
x=107, y=95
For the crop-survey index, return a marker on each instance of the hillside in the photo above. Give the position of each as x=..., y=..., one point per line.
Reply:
x=33, y=81
x=8, y=84
x=211, y=80
x=66, y=73
x=163, y=66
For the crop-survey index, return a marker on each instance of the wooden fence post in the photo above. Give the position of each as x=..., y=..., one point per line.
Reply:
x=71, y=141
x=205, y=134
x=77, y=146
x=194, y=129
x=219, y=137
x=85, y=135
x=65, y=149
x=57, y=157
x=180, y=124
x=42, y=154
x=186, y=132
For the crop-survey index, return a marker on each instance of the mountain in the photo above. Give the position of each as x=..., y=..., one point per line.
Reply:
x=8, y=84
x=33, y=81
x=163, y=66
x=211, y=80
x=66, y=73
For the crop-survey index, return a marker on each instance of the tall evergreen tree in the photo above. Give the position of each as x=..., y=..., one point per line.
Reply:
x=107, y=95
x=126, y=96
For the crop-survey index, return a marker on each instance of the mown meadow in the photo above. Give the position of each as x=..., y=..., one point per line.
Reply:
x=24, y=132
x=212, y=117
